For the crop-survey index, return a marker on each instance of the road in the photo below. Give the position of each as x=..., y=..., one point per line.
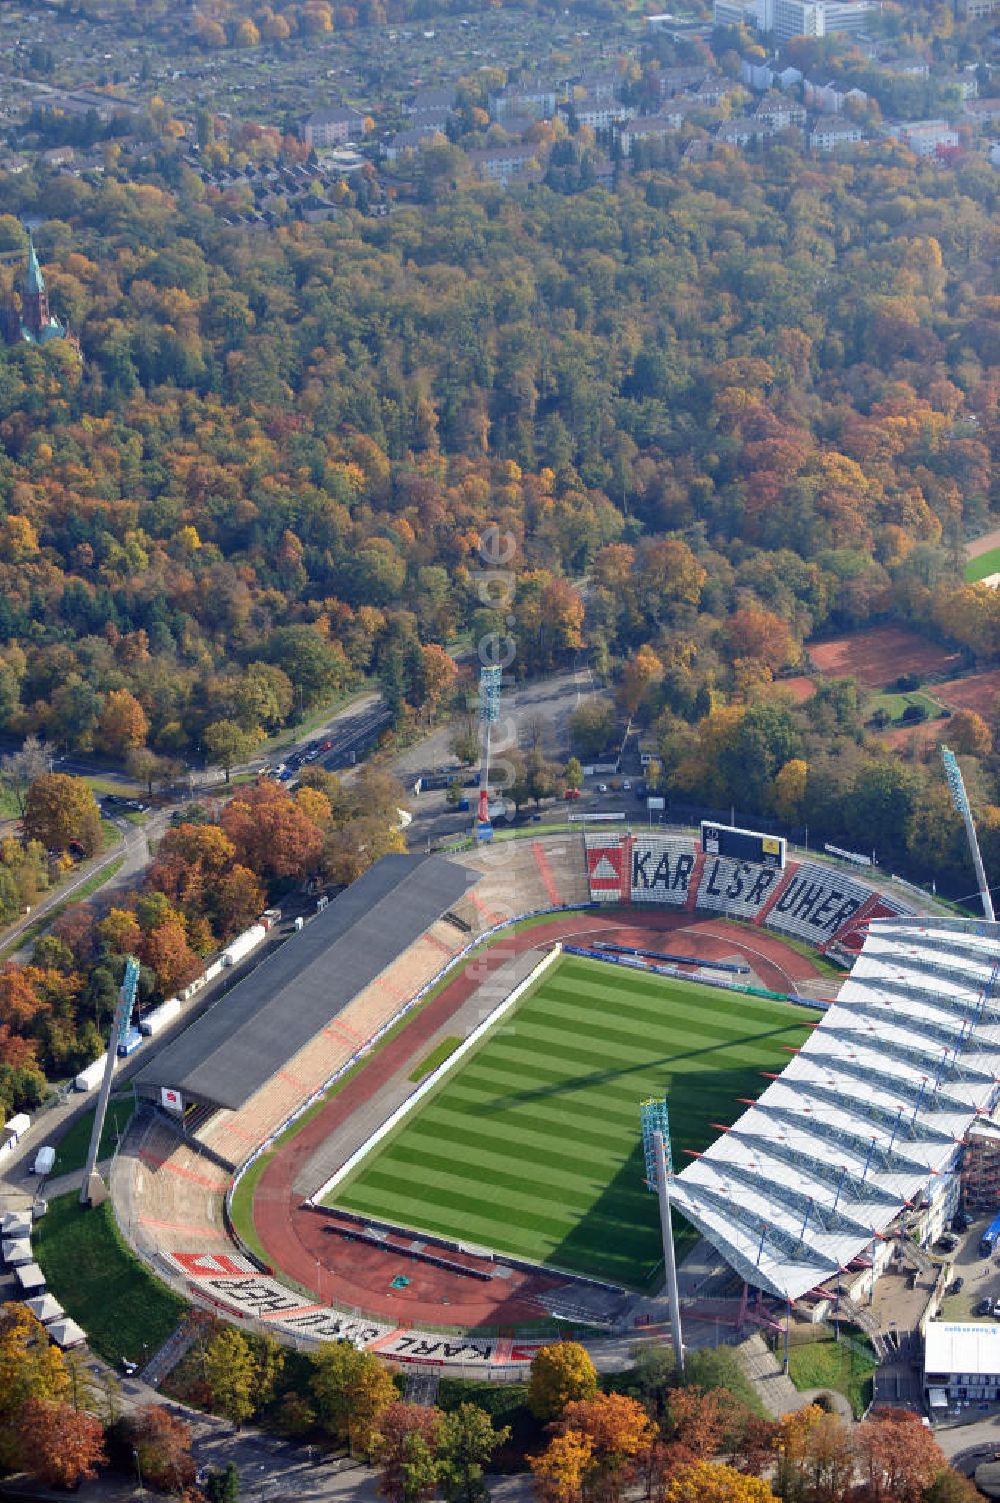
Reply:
x=17, y=1184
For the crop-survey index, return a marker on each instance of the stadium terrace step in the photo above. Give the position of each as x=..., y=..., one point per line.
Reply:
x=422, y=1388
x=196, y=1145
x=777, y=1392
x=915, y=1256
x=694, y=886
x=162, y=1363
x=865, y=1321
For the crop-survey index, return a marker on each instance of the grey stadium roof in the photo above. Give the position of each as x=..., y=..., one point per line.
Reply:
x=252, y=1031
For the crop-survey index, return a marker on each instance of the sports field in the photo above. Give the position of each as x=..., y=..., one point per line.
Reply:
x=531, y=1145
x=982, y=567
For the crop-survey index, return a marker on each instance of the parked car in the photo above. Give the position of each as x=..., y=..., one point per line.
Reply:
x=960, y=1222
x=984, y=1306
x=626, y=785
x=571, y=793
x=602, y=787
x=956, y=1286
x=996, y=1309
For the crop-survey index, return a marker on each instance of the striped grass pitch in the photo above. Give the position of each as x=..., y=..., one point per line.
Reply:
x=531, y=1145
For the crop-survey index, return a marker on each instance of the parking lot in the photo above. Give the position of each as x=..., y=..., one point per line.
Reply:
x=980, y=1276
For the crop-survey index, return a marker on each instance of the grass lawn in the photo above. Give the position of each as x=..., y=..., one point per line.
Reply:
x=532, y=1146
x=241, y=1206
x=437, y=1056
x=838, y=1365
x=71, y=1150
x=122, y=787
x=123, y=1308
x=979, y=568
x=895, y=704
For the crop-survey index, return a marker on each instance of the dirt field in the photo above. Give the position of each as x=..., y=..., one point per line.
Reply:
x=922, y=735
x=976, y=692
x=880, y=656
x=800, y=687
x=985, y=544
x=309, y=1246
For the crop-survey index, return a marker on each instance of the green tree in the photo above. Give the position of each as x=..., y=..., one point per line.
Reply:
x=591, y=726
x=222, y=1486
x=465, y=1448
x=230, y=1372
x=314, y=665
x=226, y=743
x=573, y=773
x=351, y=1389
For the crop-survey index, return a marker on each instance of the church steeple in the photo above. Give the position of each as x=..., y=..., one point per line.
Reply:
x=36, y=282
x=35, y=323
x=35, y=300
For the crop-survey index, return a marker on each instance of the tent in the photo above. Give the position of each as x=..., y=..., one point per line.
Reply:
x=45, y=1307
x=66, y=1333
x=31, y=1278
x=16, y=1250
x=16, y=1224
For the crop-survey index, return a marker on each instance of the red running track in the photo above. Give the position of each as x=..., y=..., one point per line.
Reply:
x=355, y=1276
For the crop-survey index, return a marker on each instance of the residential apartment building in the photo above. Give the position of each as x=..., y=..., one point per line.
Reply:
x=923, y=137
x=332, y=127
x=505, y=164
x=835, y=135
x=537, y=103
x=599, y=114
x=778, y=112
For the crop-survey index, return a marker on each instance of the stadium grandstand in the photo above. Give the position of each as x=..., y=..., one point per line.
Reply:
x=252, y=1034
x=856, y=1144
x=820, y=905
x=859, y=1141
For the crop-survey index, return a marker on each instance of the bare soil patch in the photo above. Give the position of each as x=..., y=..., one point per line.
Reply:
x=881, y=655
x=976, y=691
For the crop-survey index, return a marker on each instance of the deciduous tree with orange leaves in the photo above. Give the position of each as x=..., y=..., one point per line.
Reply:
x=898, y=1457
x=58, y=1444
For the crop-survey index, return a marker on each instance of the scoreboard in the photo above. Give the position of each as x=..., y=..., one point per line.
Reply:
x=742, y=845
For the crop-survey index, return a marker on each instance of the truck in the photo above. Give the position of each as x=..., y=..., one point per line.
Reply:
x=154, y=1022
x=44, y=1159
x=988, y=1241
x=90, y=1078
x=132, y=1041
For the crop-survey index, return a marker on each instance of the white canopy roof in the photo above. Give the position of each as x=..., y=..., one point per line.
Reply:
x=30, y=1276
x=45, y=1307
x=872, y=1108
x=961, y=1347
x=66, y=1333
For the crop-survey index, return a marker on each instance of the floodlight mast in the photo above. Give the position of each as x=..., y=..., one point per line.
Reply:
x=119, y=1028
x=960, y=799
x=489, y=714
x=659, y=1171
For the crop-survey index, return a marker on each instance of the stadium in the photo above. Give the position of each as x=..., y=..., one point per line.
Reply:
x=421, y=1114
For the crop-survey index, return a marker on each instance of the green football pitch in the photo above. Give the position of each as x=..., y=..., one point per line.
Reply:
x=531, y=1145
